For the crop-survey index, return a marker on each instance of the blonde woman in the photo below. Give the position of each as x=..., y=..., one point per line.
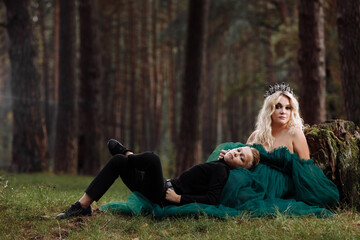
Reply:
x=279, y=123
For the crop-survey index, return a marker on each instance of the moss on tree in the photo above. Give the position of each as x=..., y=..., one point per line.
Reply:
x=334, y=147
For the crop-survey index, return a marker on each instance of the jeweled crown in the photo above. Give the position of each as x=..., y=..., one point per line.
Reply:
x=278, y=87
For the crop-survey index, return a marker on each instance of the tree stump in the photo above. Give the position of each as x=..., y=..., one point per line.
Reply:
x=334, y=147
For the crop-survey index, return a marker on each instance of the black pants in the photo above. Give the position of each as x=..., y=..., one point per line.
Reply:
x=139, y=172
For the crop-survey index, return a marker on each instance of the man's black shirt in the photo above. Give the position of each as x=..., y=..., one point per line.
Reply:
x=202, y=183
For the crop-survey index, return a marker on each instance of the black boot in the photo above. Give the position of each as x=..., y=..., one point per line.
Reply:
x=116, y=148
x=75, y=211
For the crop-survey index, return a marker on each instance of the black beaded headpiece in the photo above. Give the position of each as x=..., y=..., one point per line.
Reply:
x=278, y=87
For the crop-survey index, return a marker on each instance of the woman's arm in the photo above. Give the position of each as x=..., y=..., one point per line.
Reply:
x=300, y=145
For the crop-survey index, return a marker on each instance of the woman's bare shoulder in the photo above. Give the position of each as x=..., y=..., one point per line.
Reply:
x=300, y=144
x=298, y=133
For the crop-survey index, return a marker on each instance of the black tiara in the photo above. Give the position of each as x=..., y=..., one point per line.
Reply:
x=278, y=87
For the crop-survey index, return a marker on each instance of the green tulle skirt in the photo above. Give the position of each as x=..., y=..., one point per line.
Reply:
x=281, y=184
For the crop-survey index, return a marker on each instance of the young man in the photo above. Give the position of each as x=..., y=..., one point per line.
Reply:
x=142, y=172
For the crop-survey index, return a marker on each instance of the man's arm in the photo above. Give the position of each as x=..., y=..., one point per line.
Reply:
x=211, y=197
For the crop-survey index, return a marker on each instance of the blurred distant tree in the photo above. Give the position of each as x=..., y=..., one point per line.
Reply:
x=120, y=98
x=45, y=70
x=66, y=122
x=171, y=78
x=132, y=48
x=145, y=74
x=156, y=77
x=4, y=72
x=188, y=142
x=349, y=49
x=56, y=36
x=107, y=10
x=90, y=122
x=312, y=61
x=29, y=131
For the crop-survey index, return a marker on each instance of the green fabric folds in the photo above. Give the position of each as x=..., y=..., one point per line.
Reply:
x=282, y=183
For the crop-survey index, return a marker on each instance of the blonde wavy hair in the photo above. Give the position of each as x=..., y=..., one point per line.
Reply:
x=263, y=131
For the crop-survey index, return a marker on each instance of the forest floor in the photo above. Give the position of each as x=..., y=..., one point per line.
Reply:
x=30, y=202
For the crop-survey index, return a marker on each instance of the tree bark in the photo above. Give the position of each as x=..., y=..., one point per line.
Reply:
x=4, y=79
x=117, y=100
x=312, y=61
x=90, y=123
x=269, y=56
x=349, y=50
x=187, y=154
x=66, y=147
x=145, y=74
x=171, y=79
x=29, y=131
x=154, y=74
x=45, y=76
x=133, y=83
x=334, y=147
x=124, y=104
x=56, y=49
x=209, y=108
x=106, y=38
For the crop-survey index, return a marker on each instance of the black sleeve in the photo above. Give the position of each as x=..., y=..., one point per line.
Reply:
x=217, y=182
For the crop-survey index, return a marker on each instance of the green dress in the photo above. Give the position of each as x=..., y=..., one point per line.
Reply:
x=281, y=183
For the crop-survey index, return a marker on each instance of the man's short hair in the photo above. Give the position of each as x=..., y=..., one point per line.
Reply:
x=256, y=158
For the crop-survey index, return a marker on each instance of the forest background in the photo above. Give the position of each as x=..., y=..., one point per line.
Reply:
x=174, y=77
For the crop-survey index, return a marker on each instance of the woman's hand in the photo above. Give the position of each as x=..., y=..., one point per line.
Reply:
x=172, y=196
x=222, y=153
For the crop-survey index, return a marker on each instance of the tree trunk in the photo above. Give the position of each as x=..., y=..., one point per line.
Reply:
x=133, y=82
x=66, y=122
x=4, y=83
x=124, y=90
x=334, y=147
x=269, y=62
x=349, y=51
x=55, y=78
x=171, y=79
x=208, y=113
x=56, y=50
x=312, y=61
x=145, y=74
x=191, y=85
x=106, y=36
x=117, y=100
x=269, y=56
x=45, y=75
x=29, y=131
x=284, y=12
x=219, y=114
x=154, y=74
x=90, y=123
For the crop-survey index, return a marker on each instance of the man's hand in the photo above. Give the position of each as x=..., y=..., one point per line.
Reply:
x=172, y=196
x=222, y=153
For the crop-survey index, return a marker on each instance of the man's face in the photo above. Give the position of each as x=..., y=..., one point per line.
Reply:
x=239, y=157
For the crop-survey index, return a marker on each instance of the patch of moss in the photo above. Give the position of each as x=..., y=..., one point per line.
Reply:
x=314, y=132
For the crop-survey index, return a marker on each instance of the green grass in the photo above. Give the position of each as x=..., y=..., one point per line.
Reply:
x=30, y=202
